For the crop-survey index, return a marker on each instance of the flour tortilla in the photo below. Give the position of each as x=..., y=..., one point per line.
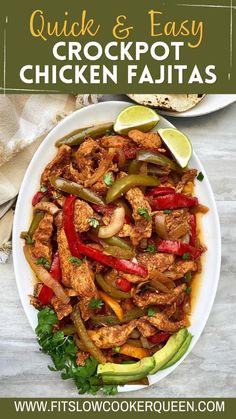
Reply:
x=177, y=103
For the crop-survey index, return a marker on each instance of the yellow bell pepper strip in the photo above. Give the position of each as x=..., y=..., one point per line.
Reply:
x=84, y=337
x=77, y=137
x=76, y=189
x=101, y=319
x=113, y=304
x=110, y=290
x=157, y=158
x=122, y=185
x=133, y=351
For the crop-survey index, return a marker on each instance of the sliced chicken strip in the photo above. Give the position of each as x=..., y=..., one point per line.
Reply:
x=145, y=139
x=110, y=336
x=162, y=322
x=149, y=298
x=57, y=166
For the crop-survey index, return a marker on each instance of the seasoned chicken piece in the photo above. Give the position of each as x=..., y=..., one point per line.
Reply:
x=47, y=207
x=62, y=310
x=135, y=279
x=42, y=238
x=72, y=174
x=188, y=176
x=88, y=156
x=57, y=166
x=150, y=298
x=145, y=139
x=158, y=261
x=126, y=230
x=169, y=311
x=64, y=254
x=145, y=328
x=161, y=322
x=173, y=221
x=143, y=225
x=180, y=268
x=82, y=213
x=115, y=141
x=110, y=336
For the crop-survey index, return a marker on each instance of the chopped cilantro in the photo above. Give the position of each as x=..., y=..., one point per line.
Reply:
x=93, y=222
x=144, y=213
x=200, y=176
x=167, y=211
x=76, y=261
x=110, y=132
x=188, y=276
x=186, y=255
x=188, y=290
x=57, y=196
x=151, y=312
x=62, y=350
x=108, y=178
x=43, y=188
x=116, y=349
x=43, y=261
x=95, y=303
x=151, y=248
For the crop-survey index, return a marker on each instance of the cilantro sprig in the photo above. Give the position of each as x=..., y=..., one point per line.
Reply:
x=108, y=178
x=93, y=222
x=95, y=303
x=143, y=212
x=43, y=261
x=62, y=350
x=76, y=261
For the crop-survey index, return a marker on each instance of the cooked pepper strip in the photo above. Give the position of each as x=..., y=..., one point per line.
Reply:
x=178, y=248
x=160, y=190
x=134, y=167
x=77, y=137
x=118, y=252
x=38, y=216
x=74, y=188
x=159, y=338
x=122, y=185
x=193, y=230
x=172, y=201
x=118, y=242
x=119, y=264
x=84, y=337
x=69, y=226
x=47, y=293
x=133, y=351
x=157, y=158
x=113, y=304
x=133, y=314
x=110, y=290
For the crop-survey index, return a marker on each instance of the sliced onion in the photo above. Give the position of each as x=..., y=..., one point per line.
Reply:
x=121, y=158
x=115, y=225
x=160, y=226
x=44, y=276
x=178, y=232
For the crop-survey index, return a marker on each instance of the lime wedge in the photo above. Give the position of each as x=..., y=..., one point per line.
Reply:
x=138, y=117
x=178, y=144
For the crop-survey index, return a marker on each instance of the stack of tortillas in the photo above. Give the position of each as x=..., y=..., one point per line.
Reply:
x=176, y=103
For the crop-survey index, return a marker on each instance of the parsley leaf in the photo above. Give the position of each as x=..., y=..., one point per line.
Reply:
x=76, y=261
x=43, y=261
x=188, y=276
x=151, y=248
x=151, y=312
x=95, y=303
x=43, y=188
x=93, y=222
x=110, y=132
x=167, y=211
x=116, y=349
x=186, y=255
x=200, y=176
x=188, y=290
x=144, y=213
x=62, y=350
x=108, y=178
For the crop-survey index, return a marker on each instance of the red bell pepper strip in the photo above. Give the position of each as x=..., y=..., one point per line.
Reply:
x=160, y=190
x=193, y=230
x=47, y=293
x=119, y=264
x=178, y=248
x=103, y=209
x=38, y=197
x=159, y=338
x=172, y=201
x=123, y=284
x=69, y=226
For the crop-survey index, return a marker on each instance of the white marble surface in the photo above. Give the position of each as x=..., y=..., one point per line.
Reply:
x=209, y=371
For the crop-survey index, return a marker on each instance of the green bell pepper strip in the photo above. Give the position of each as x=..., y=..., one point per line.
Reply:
x=133, y=314
x=38, y=216
x=122, y=185
x=118, y=252
x=77, y=137
x=110, y=290
x=74, y=188
x=157, y=158
x=118, y=242
x=134, y=167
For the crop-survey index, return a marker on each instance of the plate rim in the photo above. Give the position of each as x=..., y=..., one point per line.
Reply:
x=15, y=238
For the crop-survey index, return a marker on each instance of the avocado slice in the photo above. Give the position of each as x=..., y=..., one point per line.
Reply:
x=169, y=350
x=134, y=371
x=122, y=379
x=179, y=353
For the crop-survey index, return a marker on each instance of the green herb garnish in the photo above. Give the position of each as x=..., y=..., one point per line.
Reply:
x=43, y=261
x=43, y=188
x=28, y=239
x=62, y=350
x=167, y=211
x=93, y=222
x=76, y=261
x=188, y=276
x=200, y=176
x=108, y=178
x=151, y=312
x=116, y=349
x=151, y=248
x=95, y=303
x=144, y=213
x=188, y=290
x=186, y=255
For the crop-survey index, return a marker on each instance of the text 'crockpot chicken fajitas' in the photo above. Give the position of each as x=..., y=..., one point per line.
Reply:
x=114, y=245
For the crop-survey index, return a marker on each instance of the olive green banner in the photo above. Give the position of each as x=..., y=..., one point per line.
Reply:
x=103, y=46
x=117, y=407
